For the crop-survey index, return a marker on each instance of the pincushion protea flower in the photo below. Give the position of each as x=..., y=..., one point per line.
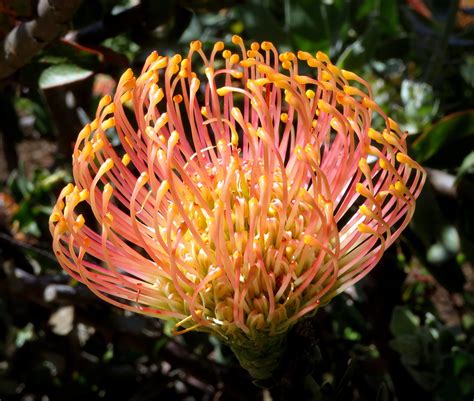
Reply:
x=242, y=196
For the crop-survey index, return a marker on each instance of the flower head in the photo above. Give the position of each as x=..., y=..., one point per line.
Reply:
x=246, y=189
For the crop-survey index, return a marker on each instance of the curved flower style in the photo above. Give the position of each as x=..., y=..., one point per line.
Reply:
x=242, y=194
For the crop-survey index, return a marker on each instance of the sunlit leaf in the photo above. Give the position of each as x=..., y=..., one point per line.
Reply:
x=62, y=74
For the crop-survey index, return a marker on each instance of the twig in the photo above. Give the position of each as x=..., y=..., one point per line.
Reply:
x=24, y=41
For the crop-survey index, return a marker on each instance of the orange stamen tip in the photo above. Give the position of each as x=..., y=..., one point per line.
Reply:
x=237, y=40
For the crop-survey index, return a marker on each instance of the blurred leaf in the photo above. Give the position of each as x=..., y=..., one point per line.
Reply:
x=403, y=322
x=122, y=44
x=158, y=12
x=260, y=24
x=62, y=320
x=409, y=347
x=467, y=70
x=62, y=74
x=449, y=130
x=309, y=24
x=420, y=105
x=467, y=165
x=388, y=11
x=440, y=240
x=24, y=335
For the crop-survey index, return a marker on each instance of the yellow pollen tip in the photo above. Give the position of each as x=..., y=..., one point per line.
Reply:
x=324, y=106
x=83, y=195
x=375, y=135
x=334, y=70
x=219, y=46
x=143, y=179
x=195, y=45
x=349, y=75
x=365, y=211
x=104, y=102
x=223, y=91
x=405, y=159
x=310, y=240
x=322, y=57
x=400, y=187
x=126, y=76
x=310, y=94
x=248, y=63
x=127, y=96
x=109, y=123
x=226, y=54
x=237, y=74
x=174, y=138
x=177, y=99
x=383, y=164
x=108, y=189
x=326, y=76
x=152, y=57
x=237, y=40
x=106, y=166
x=126, y=159
x=365, y=229
x=299, y=152
x=391, y=138
x=55, y=217
x=303, y=55
x=361, y=189
x=159, y=64
x=284, y=117
x=109, y=217
x=393, y=125
x=364, y=166
x=85, y=132
x=267, y=46
x=234, y=59
x=370, y=103
x=176, y=59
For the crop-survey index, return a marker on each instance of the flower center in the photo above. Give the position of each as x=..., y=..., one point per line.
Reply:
x=245, y=263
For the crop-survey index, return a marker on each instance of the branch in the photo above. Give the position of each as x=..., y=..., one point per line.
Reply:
x=27, y=39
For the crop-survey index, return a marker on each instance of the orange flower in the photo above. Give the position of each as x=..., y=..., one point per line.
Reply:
x=243, y=193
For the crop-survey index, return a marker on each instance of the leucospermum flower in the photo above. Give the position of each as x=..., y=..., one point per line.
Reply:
x=246, y=189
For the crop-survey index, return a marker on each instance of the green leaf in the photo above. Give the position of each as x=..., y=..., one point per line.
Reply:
x=62, y=74
x=410, y=349
x=467, y=70
x=455, y=129
x=403, y=322
x=260, y=24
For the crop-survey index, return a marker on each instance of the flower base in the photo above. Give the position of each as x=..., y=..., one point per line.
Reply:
x=262, y=356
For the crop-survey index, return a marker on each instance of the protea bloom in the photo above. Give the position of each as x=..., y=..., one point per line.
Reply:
x=241, y=195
